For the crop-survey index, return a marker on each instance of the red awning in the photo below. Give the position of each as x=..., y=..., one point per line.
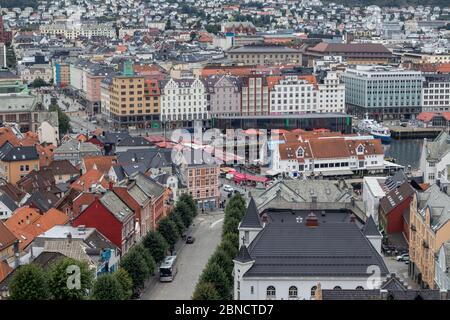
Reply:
x=238, y=177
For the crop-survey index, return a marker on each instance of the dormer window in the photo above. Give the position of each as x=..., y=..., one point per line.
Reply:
x=360, y=149
x=300, y=152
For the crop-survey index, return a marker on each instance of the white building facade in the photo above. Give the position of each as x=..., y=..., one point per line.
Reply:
x=184, y=100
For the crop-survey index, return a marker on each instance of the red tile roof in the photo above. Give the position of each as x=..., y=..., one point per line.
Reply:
x=101, y=163
x=89, y=179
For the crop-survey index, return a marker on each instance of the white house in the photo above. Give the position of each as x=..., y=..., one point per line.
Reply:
x=7, y=206
x=287, y=255
x=48, y=133
x=442, y=267
x=328, y=156
x=435, y=160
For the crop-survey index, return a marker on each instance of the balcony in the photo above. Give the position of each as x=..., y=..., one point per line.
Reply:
x=425, y=244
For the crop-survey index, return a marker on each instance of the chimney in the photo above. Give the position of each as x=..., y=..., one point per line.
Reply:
x=111, y=184
x=318, y=292
x=311, y=220
x=69, y=237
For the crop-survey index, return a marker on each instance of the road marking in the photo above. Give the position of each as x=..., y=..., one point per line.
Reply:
x=216, y=222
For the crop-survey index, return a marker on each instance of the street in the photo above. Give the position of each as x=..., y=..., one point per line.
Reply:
x=192, y=258
x=400, y=269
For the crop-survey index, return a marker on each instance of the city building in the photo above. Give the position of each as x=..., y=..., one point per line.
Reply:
x=37, y=71
x=61, y=73
x=306, y=94
x=224, y=95
x=255, y=98
x=72, y=32
x=17, y=162
x=264, y=55
x=435, y=160
x=338, y=253
x=202, y=181
x=327, y=156
x=353, y=53
x=430, y=229
x=112, y=218
x=184, y=102
x=383, y=92
x=436, y=93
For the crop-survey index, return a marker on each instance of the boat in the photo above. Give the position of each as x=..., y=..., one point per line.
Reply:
x=374, y=128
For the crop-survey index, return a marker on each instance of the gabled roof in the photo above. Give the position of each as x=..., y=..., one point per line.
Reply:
x=63, y=167
x=42, y=200
x=116, y=206
x=100, y=163
x=7, y=201
x=396, y=196
x=293, y=249
x=251, y=217
x=88, y=180
x=7, y=237
x=370, y=228
x=243, y=255
x=21, y=154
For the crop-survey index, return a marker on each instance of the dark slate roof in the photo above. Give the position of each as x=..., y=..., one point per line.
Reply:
x=42, y=200
x=5, y=148
x=114, y=137
x=351, y=294
x=118, y=170
x=243, y=255
x=414, y=295
x=132, y=169
x=370, y=228
x=336, y=249
x=251, y=217
x=134, y=142
x=21, y=154
x=393, y=283
x=116, y=206
x=395, y=197
x=396, y=180
x=7, y=201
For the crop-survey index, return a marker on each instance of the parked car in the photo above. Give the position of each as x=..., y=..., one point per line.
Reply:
x=228, y=188
x=190, y=239
x=403, y=257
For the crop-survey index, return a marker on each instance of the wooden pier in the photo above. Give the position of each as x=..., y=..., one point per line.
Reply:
x=399, y=132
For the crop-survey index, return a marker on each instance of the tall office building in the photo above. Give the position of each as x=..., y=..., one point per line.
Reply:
x=383, y=92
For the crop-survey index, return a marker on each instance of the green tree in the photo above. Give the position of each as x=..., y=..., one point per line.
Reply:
x=168, y=230
x=230, y=244
x=185, y=212
x=230, y=225
x=187, y=198
x=156, y=244
x=70, y=279
x=29, y=283
x=149, y=261
x=107, y=287
x=221, y=258
x=39, y=82
x=215, y=274
x=175, y=216
x=125, y=282
x=235, y=212
x=205, y=291
x=63, y=119
x=136, y=266
x=213, y=28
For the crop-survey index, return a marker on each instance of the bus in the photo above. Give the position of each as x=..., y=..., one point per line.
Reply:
x=168, y=269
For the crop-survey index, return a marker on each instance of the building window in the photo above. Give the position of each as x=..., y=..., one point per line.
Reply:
x=337, y=288
x=431, y=176
x=360, y=149
x=300, y=153
x=252, y=290
x=271, y=293
x=293, y=292
x=359, y=288
x=313, y=291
